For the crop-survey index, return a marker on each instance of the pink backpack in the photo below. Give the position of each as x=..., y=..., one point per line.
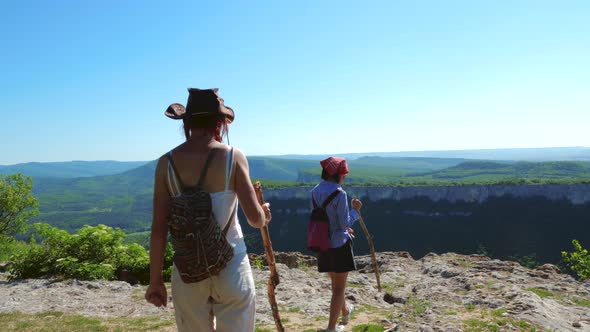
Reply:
x=318, y=226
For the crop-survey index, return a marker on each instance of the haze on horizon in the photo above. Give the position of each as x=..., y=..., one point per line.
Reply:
x=90, y=81
x=573, y=153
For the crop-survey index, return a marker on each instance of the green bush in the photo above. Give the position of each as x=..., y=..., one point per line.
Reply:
x=17, y=205
x=93, y=252
x=71, y=267
x=9, y=246
x=578, y=261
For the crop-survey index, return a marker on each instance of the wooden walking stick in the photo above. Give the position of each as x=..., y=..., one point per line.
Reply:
x=273, y=281
x=372, y=247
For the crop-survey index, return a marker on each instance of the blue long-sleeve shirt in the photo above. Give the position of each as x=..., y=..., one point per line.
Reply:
x=341, y=217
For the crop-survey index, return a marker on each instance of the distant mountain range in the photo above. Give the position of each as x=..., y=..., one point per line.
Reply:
x=518, y=154
x=72, y=194
x=286, y=167
x=71, y=169
x=460, y=171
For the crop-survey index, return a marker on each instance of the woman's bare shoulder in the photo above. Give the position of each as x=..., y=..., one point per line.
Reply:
x=239, y=156
x=162, y=162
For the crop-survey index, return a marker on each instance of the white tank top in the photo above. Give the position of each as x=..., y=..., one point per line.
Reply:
x=223, y=203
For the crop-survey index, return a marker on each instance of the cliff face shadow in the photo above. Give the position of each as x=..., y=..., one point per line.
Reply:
x=505, y=227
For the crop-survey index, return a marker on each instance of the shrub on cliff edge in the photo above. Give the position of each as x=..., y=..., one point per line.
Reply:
x=578, y=261
x=93, y=252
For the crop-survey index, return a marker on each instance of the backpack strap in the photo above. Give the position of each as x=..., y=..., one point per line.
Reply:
x=231, y=219
x=229, y=166
x=173, y=178
x=331, y=197
x=206, y=167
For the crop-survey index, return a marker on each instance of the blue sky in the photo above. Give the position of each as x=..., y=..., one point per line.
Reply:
x=90, y=80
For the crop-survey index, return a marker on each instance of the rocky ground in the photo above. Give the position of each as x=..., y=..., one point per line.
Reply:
x=447, y=292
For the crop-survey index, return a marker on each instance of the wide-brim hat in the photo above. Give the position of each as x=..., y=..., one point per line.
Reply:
x=201, y=102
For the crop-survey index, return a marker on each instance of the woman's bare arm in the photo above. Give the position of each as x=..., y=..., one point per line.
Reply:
x=156, y=292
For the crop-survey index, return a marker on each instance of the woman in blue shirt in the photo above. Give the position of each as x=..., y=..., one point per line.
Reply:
x=339, y=259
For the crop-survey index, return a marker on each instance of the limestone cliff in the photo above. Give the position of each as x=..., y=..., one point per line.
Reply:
x=504, y=221
x=575, y=193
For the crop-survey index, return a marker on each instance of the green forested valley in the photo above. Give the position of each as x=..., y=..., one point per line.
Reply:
x=124, y=200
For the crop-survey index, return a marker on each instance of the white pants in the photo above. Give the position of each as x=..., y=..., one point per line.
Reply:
x=223, y=303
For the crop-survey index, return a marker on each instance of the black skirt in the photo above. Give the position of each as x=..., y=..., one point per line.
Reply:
x=339, y=259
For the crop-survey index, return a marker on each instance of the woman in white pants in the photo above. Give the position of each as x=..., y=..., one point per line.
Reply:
x=224, y=302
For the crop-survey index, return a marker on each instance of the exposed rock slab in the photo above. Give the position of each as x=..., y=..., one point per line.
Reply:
x=435, y=293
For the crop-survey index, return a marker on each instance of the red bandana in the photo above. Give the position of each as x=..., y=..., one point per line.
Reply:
x=335, y=165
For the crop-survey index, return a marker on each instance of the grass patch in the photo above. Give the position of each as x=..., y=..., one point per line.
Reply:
x=49, y=321
x=304, y=267
x=524, y=325
x=143, y=323
x=294, y=309
x=481, y=325
x=417, y=307
x=50, y=314
x=581, y=302
x=470, y=306
x=58, y=321
x=476, y=325
x=389, y=287
x=261, y=330
x=367, y=328
x=353, y=285
x=498, y=312
x=366, y=307
x=8, y=317
x=459, y=261
x=257, y=262
x=541, y=292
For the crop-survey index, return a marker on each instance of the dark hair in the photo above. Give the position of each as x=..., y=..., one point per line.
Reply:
x=334, y=177
x=216, y=125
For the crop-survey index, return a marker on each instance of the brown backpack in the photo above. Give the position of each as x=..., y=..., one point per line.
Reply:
x=201, y=249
